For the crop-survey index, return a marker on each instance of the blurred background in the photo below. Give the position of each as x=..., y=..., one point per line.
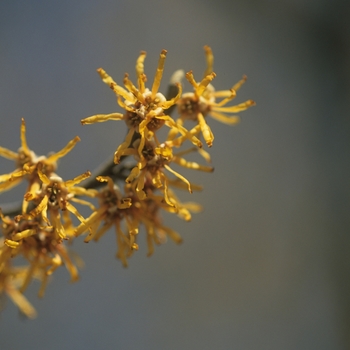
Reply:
x=267, y=264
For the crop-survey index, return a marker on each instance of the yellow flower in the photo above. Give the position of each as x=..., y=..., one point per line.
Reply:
x=10, y=279
x=27, y=163
x=112, y=210
x=127, y=214
x=151, y=169
x=39, y=246
x=144, y=108
x=146, y=212
x=183, y=210
x=55, y=196
x=202, y=102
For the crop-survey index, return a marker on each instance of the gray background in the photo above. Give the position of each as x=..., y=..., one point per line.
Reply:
x=266, y=265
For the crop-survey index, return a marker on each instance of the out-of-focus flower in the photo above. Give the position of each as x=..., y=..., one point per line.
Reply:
x=112, y=210
x=27, y=163
x=39, y=245
x=151, y=168
x=44, y=253
x=127, y=214
x=10, y=280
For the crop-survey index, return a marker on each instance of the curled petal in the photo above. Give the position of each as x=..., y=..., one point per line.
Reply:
x=100, y=118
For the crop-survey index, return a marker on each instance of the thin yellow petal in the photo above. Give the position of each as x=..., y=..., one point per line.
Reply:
x=83, y=202
x=210, y=60
x=24, y=234
x=6, y=186
x=100, y=118
x=119, y=152
x=179, y=176
x=74, y=211
x=192, y=165
x=135, y=172
x=231, y=120
x=95, y=216
x=132, y=88
x=81, y=191
x=238, y=85
x=172, y=234
x=21, y=301
x=73, y=271
x=233, y=109
x=30, y=273
x=11, y=244
x=92, y=231
x=55, y=219
x=77, y=179
x=191, y=80
x=167, y=104
x=54, y=157
x=204, y=83
x=6, y=153
x=24, y=144
x=106, y=226
x=36, y=211
x=44, y=179
x=159, y=73
x=166, y=193
x=119, y=91
x=227, y=99
x=206, y=131
x=140, y=71
x=107, y=79
x=56, y=261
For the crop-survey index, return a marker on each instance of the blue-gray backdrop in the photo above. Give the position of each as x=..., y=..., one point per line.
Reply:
x=266, y=265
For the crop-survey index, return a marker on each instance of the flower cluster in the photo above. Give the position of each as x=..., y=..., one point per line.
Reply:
x=47, y=218
x=43, y=223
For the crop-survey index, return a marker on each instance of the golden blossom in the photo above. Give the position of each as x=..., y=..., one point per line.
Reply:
x=27, y=163
x=202, y=102
x=39, y=246
x=144, y=108
x=55, y=196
